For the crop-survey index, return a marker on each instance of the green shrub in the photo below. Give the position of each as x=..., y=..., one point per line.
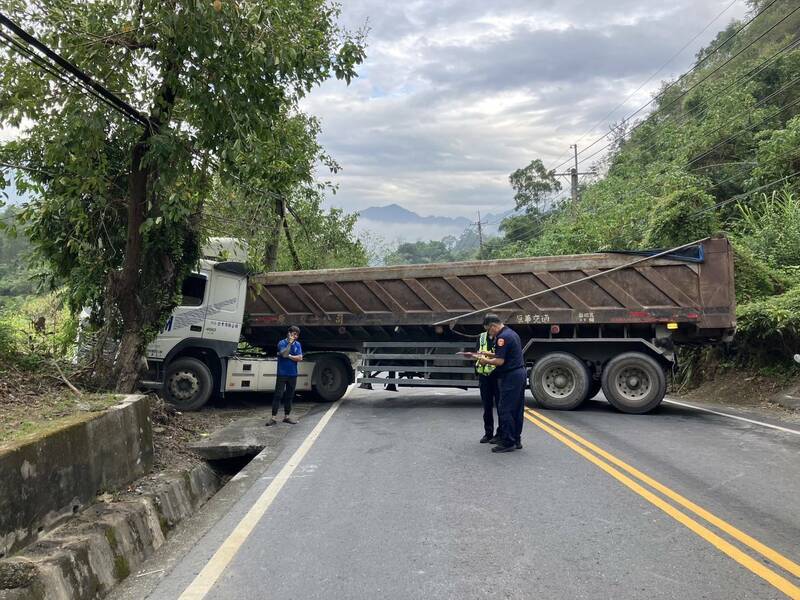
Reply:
x=36, y=329
x=754, y=279
x=768, y=330
x=770, y=227
x=680, y=217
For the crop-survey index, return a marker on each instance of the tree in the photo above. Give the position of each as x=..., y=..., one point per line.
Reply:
x=119, y=207
x=278, y=198
x=417, y=253
x=533, y=185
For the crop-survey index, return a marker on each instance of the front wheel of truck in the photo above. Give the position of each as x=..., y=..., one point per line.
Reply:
x=330, y=379
x=188, y=384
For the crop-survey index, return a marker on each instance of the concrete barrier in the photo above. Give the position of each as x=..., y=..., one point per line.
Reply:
x=46, y=479
x=101, y=546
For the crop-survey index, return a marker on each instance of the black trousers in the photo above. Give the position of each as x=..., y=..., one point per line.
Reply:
x=489, y=397
x=511, y=408
x=284, y=392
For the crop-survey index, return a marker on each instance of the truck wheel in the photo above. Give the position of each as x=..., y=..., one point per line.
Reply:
x=634, y=383
x=330, y=379
x=188, y=384
x=559, y=381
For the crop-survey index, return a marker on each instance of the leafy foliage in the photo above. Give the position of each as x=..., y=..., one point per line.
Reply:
x=17, y=276
x=533, y=185
x=119, y=208
x=450, y=249
x=754, y=279
x=770, y=227
x=768, y=330
x=680, y=218
x=719, y=133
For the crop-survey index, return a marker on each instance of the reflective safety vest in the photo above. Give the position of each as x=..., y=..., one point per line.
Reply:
x=484, y=347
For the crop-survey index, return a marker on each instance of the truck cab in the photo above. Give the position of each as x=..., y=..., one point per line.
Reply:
x=195, y=354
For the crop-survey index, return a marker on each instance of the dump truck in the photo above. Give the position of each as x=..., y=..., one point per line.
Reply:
x=609, y=321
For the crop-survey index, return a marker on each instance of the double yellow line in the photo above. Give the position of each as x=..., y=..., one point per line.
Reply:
x=625, y=474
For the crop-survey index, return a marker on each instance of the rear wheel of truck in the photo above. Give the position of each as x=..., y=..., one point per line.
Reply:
x=559, y=381
x=188, y=384
x=330, y=379
x=634, y=383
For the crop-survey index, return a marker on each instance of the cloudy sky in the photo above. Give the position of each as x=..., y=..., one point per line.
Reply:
x=456, y=94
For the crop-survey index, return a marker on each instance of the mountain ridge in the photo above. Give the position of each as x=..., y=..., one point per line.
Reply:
x=397, y=214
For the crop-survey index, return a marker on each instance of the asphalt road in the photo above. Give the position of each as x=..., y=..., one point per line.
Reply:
x=393, y=497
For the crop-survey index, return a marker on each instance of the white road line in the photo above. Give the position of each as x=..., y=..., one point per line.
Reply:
x=737, y=417
x=206, y=579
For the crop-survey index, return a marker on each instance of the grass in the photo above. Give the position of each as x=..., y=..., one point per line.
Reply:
x=32, y=416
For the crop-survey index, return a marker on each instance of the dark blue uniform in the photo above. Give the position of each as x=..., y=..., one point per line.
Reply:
x=511, y=382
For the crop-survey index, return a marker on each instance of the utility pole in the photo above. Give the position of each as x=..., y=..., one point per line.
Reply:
x=480, y=237
x=573, y=174
x=574, y=177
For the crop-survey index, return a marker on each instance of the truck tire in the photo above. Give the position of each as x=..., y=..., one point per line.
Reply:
x=330, y=379
x=559, y=381
x=188, y=384
x=634, y=383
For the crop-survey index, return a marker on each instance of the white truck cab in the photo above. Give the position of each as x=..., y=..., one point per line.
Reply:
x=195, y=355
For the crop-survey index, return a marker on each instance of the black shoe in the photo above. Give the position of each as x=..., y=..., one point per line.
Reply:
x=518, y=445
x=496, y=440
x=486, y=439
x=502, y=448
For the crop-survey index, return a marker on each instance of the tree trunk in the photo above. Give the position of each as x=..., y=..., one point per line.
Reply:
x=125, y=292
x=273, y=245
x=273, y=241
x=290, y=244
x=136, y=279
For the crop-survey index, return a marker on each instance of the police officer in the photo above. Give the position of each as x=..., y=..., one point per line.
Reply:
x=510, y=371
x=487, y=381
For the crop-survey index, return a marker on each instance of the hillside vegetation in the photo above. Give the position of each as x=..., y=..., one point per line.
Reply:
x=719, y=152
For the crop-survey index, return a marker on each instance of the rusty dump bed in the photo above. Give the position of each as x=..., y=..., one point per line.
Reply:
x=337, y=307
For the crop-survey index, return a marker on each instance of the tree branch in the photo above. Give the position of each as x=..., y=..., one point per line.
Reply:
x=290, y=245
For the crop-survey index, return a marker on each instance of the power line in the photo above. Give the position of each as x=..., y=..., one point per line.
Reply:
x=691, y=87
x=741, y=131
x=794, y=153
x=705, y=104
x=656, y=72
x=53, y=71
x=66, y=66
x=742, y=113
x=742, y=195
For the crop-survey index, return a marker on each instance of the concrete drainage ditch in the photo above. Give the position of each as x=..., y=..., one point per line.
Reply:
x=99, y=547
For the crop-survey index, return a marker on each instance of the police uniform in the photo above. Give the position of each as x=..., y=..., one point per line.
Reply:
x=487, y=382
x=511, y=383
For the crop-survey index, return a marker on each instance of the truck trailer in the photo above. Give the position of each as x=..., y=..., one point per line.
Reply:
x=607, y=321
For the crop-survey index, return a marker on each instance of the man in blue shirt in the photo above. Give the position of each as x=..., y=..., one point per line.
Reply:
x=510, y=372
x=289, y=354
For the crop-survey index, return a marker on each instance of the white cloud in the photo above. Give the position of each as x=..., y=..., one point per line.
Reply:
x=456, y=94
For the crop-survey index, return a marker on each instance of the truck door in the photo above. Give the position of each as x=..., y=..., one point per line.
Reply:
x=226, y=306
x=188, y=318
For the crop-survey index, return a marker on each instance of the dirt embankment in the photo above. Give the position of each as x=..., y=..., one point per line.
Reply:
x=736, y=387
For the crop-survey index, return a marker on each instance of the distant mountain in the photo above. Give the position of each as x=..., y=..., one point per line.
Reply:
x=394, y=213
